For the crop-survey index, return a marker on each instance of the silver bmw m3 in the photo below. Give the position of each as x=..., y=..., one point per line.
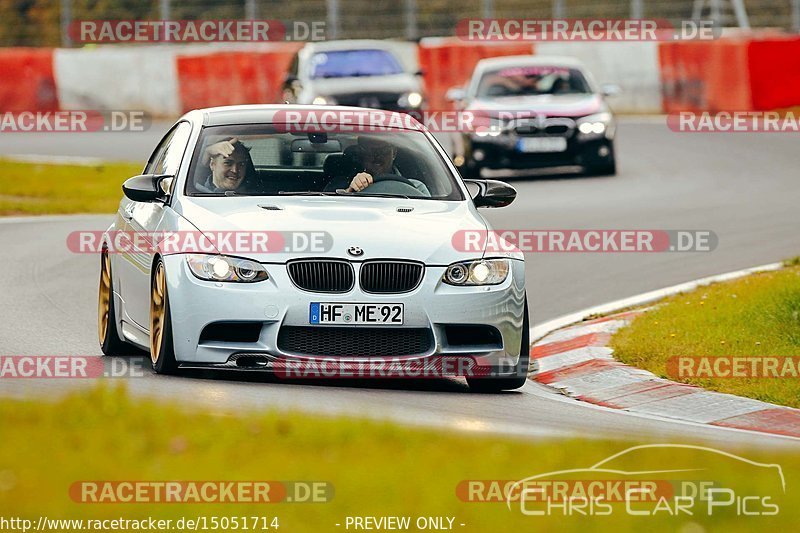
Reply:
x=301, y=239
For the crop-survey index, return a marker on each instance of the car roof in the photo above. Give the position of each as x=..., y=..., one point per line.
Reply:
x=529, y=61
x=266, y=114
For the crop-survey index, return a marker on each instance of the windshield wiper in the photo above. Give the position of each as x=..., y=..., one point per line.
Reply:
x=306, y=193
x=343, y=192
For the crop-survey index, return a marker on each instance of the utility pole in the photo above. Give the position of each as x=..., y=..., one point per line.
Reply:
x=66, y=20
x=333, y=19
x=795, y=15
x=412, y=31
x=559, y=9
x=637, y=10
x=163, y=8
x=488, y=8
x=250, y=11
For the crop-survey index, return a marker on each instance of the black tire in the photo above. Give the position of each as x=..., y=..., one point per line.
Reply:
x=162, y=347
x=520, y=376
x=108, y=335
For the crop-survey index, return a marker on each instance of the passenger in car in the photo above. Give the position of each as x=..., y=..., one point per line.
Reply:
x=229, y=164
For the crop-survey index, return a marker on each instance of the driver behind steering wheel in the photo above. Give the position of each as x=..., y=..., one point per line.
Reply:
x=377, y=157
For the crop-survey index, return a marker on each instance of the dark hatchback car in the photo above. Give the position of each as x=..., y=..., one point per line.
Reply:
x=541, y=112
x=362, y=73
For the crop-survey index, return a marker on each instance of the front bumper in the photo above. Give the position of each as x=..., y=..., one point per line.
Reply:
x=372, y=100
x=277, y=303
x=501, y=152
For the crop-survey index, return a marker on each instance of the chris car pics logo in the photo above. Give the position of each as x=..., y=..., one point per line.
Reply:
x=654, y=480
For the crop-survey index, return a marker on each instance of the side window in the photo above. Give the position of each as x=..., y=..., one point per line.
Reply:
x=166, y=158
x=158, y=153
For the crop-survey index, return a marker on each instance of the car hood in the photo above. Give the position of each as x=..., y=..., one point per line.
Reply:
x=563, y=105
x=396, y=83
x=372, y=224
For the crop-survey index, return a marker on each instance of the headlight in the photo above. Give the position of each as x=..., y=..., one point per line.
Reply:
x=223, y=268
x=595, y=125
x=412, y=99
x=493, y=129
x=481, y=272
x=323, y=100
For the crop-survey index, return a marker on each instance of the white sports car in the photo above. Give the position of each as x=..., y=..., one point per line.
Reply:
x=254, y=244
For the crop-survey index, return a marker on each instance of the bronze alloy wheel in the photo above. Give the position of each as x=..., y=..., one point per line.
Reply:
x=158, y=301
x=104, y=298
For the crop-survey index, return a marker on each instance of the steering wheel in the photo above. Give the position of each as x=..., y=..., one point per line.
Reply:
x=392, y=184
x=391, y=177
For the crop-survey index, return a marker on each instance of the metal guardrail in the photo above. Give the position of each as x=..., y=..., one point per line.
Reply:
x=406, y=19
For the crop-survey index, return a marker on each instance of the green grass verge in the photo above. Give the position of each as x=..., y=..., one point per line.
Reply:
x=755, y=316
x=375, y=468
x=39, y=189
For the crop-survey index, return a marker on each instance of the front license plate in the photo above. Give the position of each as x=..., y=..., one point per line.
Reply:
x=332, y=313
x=542, y=144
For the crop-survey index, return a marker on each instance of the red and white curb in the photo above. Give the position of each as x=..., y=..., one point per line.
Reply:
x=577, y=361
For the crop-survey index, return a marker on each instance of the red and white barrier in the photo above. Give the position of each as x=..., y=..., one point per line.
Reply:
x=27, y=83
x=753, y=72
x=448, y=62
x=141, y=78
x=233, y=77
x=633, y=65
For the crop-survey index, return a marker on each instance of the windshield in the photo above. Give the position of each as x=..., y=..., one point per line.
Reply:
x=527, y=81
x=257, y=160
x=354, y=63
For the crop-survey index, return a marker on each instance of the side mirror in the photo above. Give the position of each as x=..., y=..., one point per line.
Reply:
x=455, y=94
x=491, y=193
x=147, y=187
x=610, y=89
x=420, y=72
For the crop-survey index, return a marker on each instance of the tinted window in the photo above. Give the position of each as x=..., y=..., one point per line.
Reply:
x=257, y=160
x=354, y=63
x=166, y=158
x=535, y=80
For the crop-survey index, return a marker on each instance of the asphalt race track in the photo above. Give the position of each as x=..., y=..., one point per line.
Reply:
x=744, y=187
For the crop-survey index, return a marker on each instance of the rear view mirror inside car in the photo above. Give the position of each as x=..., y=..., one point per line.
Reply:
x=314, y=146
